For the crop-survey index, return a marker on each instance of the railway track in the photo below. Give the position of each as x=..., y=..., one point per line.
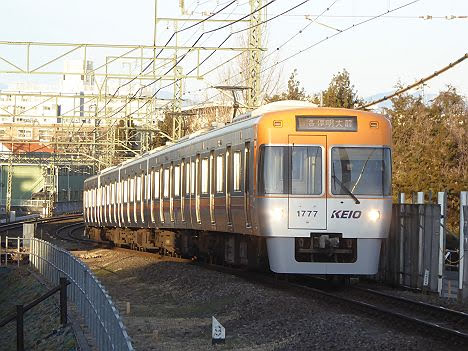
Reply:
x=433, y=319
x=19, y=224
x=436, y=320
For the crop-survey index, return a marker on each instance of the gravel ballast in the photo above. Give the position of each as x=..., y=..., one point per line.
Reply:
x=171, y=304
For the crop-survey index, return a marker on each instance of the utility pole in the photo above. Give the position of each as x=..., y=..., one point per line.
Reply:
x=9, y=184
x=255, y=55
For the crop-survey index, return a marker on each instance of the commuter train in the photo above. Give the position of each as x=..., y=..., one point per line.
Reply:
x=299, y=188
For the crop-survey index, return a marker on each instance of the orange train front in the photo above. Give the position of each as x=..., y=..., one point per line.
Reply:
x=299, y=188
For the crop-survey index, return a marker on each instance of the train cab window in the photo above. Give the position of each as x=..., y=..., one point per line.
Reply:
x=306, y=170
x=156, y=185
x=166, y=182
x=204, y=176
x=177, y=181
x=219, y=173
x=273, y=170
x=237, y=170
x=361, y=171
x=192, y=178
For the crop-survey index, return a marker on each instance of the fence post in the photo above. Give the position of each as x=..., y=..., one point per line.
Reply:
x=19, y=328
x=442, y=201
x=401, y=200
x=420, y=201
x=461, y=264
x=18, y=249
x=6, y=251
x=63, y=300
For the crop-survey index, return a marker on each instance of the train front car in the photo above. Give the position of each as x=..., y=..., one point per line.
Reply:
x=324, y=180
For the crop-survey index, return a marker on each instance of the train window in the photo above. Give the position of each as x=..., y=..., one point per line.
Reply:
x=187, y=178
x=273, y=170
x=150, y=182
x=306, y=170
x=125, y=191
x=132, y=190
x=156, y=185
x=204, y=176
x=247, y=168
x=361, y=171
x=182, y=177
x=192, y=178
x=176, y=180
x=166, y=182
x=219, y=173
x=212, y=172
x=138, y=189
x=112, y=193
x=237, y=170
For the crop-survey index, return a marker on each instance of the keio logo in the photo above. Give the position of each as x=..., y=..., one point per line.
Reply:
x=346, y=214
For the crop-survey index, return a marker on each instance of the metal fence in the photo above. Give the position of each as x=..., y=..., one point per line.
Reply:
x=85, y=291
x=410, y=256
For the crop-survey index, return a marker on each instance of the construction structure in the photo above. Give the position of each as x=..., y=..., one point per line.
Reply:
x=106, y=103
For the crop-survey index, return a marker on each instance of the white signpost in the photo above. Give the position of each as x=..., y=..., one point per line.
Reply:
x=218, y=333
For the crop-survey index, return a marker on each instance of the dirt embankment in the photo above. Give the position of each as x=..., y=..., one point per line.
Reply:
x=42, y=329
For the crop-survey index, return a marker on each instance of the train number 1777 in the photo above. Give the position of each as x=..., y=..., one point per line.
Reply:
x=307, y=213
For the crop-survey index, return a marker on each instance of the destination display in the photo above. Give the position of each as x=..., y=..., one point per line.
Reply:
x=326, y=124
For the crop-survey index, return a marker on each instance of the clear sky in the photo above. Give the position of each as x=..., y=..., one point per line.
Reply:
x=378, y=55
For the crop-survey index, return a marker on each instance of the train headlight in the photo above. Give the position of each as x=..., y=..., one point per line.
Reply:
x=277, y=214
x=374, y=215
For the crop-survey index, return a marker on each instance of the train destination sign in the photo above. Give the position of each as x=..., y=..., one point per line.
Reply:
x=326, y=123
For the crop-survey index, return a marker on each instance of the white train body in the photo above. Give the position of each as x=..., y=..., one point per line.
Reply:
x=308, y=188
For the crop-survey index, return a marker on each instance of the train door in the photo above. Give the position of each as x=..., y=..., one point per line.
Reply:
x=306, y=182
x=228, y=184
x=212, y=187
x=247, y=182
x=183, y=180
x=171, y=191
x=161, y=194
x=186, y=190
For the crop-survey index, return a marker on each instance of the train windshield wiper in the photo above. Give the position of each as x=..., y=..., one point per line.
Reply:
x=356, y=200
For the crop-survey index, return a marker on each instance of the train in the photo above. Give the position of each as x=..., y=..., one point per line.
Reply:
x=289, y=187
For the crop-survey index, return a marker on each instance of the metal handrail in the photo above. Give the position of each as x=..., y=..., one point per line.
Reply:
x=91, y=299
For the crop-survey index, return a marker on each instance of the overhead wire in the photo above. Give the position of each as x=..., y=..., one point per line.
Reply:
x=204, y=60
x=157, y=56
x=326, y=39
x=419, y=82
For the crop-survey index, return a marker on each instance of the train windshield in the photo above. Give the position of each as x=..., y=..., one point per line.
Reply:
x=361, y=170
x=295, y=170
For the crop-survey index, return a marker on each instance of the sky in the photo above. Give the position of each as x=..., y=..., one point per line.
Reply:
x=397, y=48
